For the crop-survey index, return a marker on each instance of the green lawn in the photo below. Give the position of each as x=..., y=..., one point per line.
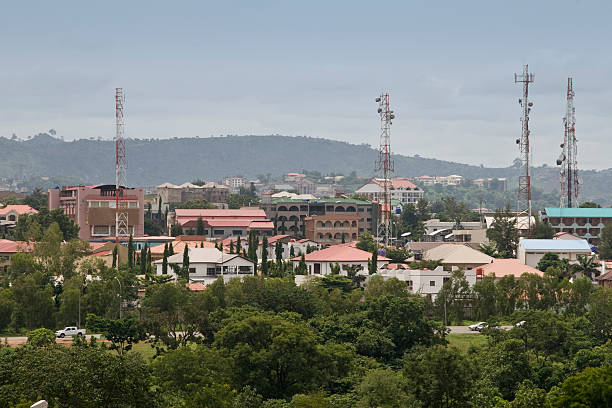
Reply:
x=464, y=341
x=145, y=350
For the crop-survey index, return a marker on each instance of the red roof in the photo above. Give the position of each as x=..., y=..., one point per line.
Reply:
x=261, y=225
x=196, y=286
x=274, y=238
x=18, y=208
x=12, y=247
x=340, y=253
x=505, y=267
x=216, y=213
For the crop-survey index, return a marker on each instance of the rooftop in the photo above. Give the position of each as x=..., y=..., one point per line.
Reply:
x=201, y=255
x=327, y=200
x=340, y=253
x=555, y=245
x=578, y=212
x=505, y=267
x=18, y=208
x=457, y=254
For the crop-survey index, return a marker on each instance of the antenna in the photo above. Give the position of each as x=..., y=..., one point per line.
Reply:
x=524, y=181
x=121, y=212
x=384, y=165
x=567, y=160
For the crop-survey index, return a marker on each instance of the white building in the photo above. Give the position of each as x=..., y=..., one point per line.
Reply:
x=424, y=281
x=207, y=264
x=402, y=190
x=235, y=183
x=530, y=251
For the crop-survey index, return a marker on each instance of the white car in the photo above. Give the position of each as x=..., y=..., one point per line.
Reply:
x=478, y=326
x=520, y=324
x=69, y=332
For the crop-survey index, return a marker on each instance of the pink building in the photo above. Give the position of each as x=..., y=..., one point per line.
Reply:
x=219, y=224
x=93, y=209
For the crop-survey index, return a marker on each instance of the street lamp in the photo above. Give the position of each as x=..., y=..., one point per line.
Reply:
x=119, y=295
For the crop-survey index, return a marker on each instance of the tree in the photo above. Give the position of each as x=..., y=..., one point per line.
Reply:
x=185, y=267
x=264, y=256
x=352, y=272
x=122, y=333
x=165, y=260
x=605, y=244
x=278, y=251
x=302, y=269
x=44, y=219
x=586, y=266
x=600, y=315
x=589, y=204
x=504, y=233
x=115, y=255
x=37, y=199
x=7, y=306
x=41, y=338
x=200, y=226
x=373, y=263
x=238, y=245
x=231, y=248
x=34, y=304
x=176, y=230
x=588, y=389
x=385, y=388
x=366, y=242
x=398, y=255
x=131, y=252
x=143, y=260
x=542, y=230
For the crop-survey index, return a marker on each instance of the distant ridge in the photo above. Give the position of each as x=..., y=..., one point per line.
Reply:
x=176, y=160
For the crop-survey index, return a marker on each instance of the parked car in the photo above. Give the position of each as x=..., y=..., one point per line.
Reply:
x=478, y=326
x=69, y=332
x=520, y=324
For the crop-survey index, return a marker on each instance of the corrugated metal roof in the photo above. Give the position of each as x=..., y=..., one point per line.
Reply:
x=578, y=212
x=555, y=244
x=340, y=253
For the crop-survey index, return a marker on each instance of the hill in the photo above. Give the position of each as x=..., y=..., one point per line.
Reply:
x=152, y=161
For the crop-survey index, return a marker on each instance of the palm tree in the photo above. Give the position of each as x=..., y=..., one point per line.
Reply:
x=586, y=266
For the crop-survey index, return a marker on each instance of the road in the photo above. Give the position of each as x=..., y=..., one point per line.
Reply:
x=23, y=339
x=465, y=330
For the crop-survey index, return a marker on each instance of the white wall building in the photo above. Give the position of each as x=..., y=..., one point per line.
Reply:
x=402, y=190
x=320, y=262
x=425, y=282
x=530, y=251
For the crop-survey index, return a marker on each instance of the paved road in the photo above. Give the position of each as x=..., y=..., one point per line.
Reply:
x=22, y=339
x=465, y=330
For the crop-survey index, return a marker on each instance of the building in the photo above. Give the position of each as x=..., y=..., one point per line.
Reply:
x=292, y=213
x=300, y=246
x=585, y=223
x=179, y=244
x=208, y=264
x=219, y=224
x=294, y=177
x=93, y=209
x=169, y=193
x=505, y=267
x=402, y=190
x=235, y=183
x=425, y=282
x=320, y=262
x=521, y=223
x=442, y=231
x=8, y=249
x=530, y=251
x=330, y=229
x=452, y=180
x=460, y=256
x=496, y=184
x=10, y=214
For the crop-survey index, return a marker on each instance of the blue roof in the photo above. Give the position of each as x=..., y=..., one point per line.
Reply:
x=555, y=244
x=578, y=212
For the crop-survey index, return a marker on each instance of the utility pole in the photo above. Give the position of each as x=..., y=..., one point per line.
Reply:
x=567, y=159
x=384, y=166
x=121, y=212
x=524, y=182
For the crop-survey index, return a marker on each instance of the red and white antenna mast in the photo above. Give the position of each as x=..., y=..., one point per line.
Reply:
x=524, y=182
x=384, y=165
x=121, y=212
x=567, y=159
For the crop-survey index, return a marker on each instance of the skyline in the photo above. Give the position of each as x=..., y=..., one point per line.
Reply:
x=202, y=69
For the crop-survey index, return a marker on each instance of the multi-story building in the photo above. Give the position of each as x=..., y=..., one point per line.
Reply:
x=235, y=183
x=220, y=224
x=402, y=190
x=169, y=193
x=332, y=228
x=292, y=213
x=585, y=223
x=452, y=180
x=93, y=209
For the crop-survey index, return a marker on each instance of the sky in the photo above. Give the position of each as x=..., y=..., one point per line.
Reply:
x=314, y=68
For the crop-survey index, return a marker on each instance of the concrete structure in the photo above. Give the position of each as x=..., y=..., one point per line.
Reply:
x=320, y=262
x=530, y=251
x=460, y=256
x=220, y=224
x=402, y=190
x=292, y=210
x=505, y=267
x=332, y=229
x=425, y=282
x=441, y=231
x=93, y=209
x=169, y=193
x=300, y=246
x=10, y=214
x=452, y=180
x=235, y=183
x=585, y=223
x=207, y=264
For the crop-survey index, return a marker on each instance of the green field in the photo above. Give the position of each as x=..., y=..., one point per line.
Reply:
x=464, y=341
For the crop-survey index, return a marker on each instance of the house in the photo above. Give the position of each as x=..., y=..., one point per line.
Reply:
x=320, y=262
x=332, y=228
x=273, y=241
x=585, y=223
x=93, y=209
x=505, y=267
x=402, y=189
x=168, y=193
x=220, y=224
x=436, y=230
x=605, y=280
x=10, y=214
x=235, y=183
x=425, y=282
x=300, y=246
x=179, y=244
x=8, y=249
x=207, y=264
x=530, y=251
x=460, y=256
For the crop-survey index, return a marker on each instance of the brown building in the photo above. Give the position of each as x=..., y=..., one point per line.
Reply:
x=93, y=209
x=332, y=228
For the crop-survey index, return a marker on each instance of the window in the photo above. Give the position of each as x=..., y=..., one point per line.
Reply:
x=100, y=230
x=244, y=269
x=237, y=232
x=210, y=271
x=360, y=210
x=218, y=232
x=432, y=283
x=445, y=279
x=133, y=204
x=192, y=270
x=409, y=282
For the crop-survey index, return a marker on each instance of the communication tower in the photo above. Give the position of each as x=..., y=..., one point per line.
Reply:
x=121, y=212
x=567, y=159
x=524, y=181
x=384, y=167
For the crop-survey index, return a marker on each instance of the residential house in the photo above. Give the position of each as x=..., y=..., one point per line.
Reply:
x=10, y=214
x=93, y=209
x=320, y=262
x=208, y=264
x=8, y=249
x=460, y=256
x=505, y=267
x=530, y=251
x=401, y=188
x=220, y=224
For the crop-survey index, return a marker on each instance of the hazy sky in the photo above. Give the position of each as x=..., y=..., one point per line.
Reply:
x=313, y=68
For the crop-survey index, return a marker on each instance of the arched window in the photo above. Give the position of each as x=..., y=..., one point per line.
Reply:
x=338, y=236
x=320, y=236
x=320, y=224
x=293, y=218
x=346, y=224
x=350, y=208
x=337, y=224
x=282, y=208
x=328, y=235
x=293, y=208
x=328, y=224
x=354, y=236
x=340, y=209
x=282, y=218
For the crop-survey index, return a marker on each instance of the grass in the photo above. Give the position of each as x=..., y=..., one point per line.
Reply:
x=464, y=341
x=146, y=351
